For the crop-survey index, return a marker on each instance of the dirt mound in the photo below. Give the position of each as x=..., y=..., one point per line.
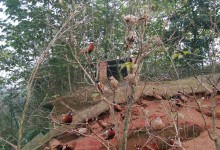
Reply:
x=152, y=119
x=190, y=127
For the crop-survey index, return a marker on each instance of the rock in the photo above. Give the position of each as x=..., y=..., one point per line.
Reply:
x=157, y=124
x=82, y=130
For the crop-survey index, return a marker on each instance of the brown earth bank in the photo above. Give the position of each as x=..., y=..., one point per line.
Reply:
x=158, y=119
x=142, y=131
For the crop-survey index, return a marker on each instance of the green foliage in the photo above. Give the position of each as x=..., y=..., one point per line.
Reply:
x=94, y=96
x=180, y=54
x=128, y=65
x=193, y=19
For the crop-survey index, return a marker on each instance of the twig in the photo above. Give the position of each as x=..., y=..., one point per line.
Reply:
x=145, y=144
x=213, y=84
x=84, y=70
x=9, y=143
x=32, y=77
x=198, y=78
x=203, y=116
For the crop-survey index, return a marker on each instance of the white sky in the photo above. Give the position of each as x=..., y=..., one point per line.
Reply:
x=2, y=17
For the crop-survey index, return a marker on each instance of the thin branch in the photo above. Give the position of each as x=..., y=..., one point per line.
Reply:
x=33, y=74
x=213, y=84
x=193, y=70
x=9, y=143
x=80, y=65
x=203, y=116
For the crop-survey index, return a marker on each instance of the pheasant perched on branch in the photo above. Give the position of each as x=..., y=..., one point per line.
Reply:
x=130, y=19
x=129, y=40
x=117, y=107
x=110, y=134
x=137, y=146
x=88, y=49
x=131, y=79
x=100, y=86
x=67, y=118
x=113, y=83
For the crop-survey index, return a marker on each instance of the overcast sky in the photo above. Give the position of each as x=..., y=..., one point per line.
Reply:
x=2, y=17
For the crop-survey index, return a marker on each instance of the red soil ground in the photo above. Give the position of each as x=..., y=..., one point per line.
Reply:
x=142, y=117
